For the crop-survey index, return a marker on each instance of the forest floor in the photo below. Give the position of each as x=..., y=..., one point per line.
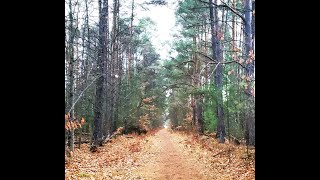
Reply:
x=162, y=154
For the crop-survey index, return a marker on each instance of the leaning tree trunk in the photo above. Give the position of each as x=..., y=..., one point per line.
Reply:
x=250, y=119
x=216, y=53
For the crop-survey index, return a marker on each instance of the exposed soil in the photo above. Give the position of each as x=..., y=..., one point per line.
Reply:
x=166, y=161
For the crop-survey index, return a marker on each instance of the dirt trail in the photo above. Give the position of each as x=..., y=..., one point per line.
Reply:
x=163, y=155
x=166, y=160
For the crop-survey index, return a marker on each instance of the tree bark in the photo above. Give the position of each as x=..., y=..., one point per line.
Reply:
x=101, y=81
x=250, y=120
x=200, y=114
x=71, y=75
x=115, y=66
x=218, y=77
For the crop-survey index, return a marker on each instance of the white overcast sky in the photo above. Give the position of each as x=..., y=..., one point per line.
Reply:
x=164, y=19
x=162, y=15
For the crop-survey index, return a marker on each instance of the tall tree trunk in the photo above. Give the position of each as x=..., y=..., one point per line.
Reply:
x=226, y=31
x=71, y=75
x=197, y=83
x=253, y=24
x=130, y=58
x=108, y=81
x=199, y=103
x=115, y=66
x=218, y=77
x=88, y=44
x=120, y=61
x=87, y=64
x=193, y=82
x=206, y=49
x=250, y=120
x=101, y=81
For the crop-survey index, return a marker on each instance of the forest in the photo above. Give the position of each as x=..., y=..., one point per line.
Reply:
x=148, y=97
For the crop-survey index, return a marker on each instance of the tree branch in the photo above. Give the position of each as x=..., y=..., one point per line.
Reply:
x=201, y=53
x=176, y=86
x=234, y=11
x=211, y=73
x=185, y=62
x=82, y=93
x=224, y=5
x=214, y=62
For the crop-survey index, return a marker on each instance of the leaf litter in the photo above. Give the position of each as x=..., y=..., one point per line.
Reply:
x=161, y=154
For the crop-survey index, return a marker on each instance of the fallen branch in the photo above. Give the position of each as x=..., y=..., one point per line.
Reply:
x=210, y=134
x=77, y=142
x=104, y=140
x=77, y=133
x=228, y=150
x=235, y=140
x=118, y=132
x=109, y=138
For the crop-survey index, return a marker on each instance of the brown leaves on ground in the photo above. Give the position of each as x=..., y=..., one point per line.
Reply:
x=218, y=161
x=127, y=158
x=111, y=161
